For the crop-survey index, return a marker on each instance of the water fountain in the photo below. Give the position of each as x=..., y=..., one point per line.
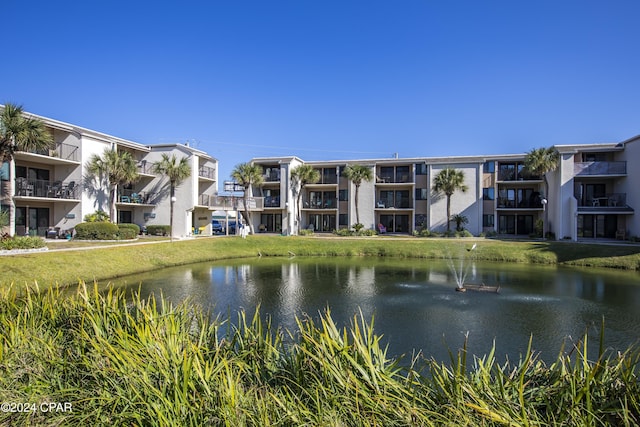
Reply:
x=460, y=271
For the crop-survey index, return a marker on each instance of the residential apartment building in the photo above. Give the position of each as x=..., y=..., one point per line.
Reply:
x=591, y=194
x=53, y=190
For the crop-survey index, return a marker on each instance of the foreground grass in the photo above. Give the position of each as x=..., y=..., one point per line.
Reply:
x=67, y=267
x=127, y=361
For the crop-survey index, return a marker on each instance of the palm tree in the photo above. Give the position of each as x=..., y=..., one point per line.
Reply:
x=176, y=171
x=448, y=181
x=19, y=133
x=539, y=162
x=301, y=176
x=358, y=174
x=247, y=175
x=116, y=168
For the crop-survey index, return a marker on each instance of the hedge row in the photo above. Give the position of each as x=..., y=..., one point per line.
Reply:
x=106, y=231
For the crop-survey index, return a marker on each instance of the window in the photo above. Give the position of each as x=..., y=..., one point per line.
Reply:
x=422, y=193
x=489, y=167
x=488, y=193
x=343, y=195
x=487, y=220
x=4, y=171
x=421, y=169
x=343, y=219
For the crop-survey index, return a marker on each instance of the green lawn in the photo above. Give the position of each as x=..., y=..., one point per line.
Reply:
x=110, y=261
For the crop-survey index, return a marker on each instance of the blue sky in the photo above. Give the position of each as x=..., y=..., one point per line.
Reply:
x=330, y=79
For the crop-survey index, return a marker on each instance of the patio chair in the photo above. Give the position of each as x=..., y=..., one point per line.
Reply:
x=382, y=229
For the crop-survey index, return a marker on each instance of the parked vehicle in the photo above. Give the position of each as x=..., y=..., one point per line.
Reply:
x=216, y=227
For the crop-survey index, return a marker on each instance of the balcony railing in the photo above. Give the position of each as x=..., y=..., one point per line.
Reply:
x=207, y=172
x=320, y=203
x=523, y=204
x=47, y=189
x=272, y=176
x=272, y=202
x=398, y=178
x=137, y=197
x=391, y=204
x=145, y=168
x=611, y=200
x=599, y=168
x=230, y=202
x=62, y=151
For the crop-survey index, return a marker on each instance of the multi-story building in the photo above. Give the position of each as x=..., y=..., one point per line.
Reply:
x=53, y=191
x=591, y=194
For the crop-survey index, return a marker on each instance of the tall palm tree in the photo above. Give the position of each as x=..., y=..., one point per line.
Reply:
x=247, y=175
x=115, y=168
x=448, y=181
x=358, y=174
x=300, y=177
x=19, y=133
x=176, y=171
x=539, y=162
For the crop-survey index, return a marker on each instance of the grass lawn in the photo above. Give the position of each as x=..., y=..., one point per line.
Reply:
x=111, y=260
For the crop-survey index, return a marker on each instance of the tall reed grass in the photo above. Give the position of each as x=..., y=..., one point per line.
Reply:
x=123, y=360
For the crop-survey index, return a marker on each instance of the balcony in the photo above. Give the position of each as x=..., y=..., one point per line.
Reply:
x=272, y=202
x=523, y=204
x=40, y=188
x=390, y=204
x=230, y=202
x=599, y=168
x=207, y=172
x=145, y=168
x=394, y=178
x=271, y=175
x=611, y=200
x=320, y=203
x=61, y=153
x=132, y=197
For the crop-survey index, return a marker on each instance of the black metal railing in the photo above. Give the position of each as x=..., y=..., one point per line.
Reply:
x=47, y=189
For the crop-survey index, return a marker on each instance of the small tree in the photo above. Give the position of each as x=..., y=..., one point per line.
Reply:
x=247, y=175
x=358, y=174
x=176, y=171
x=19, y=133
x=113, y=168
x=460, y=221
x=300, y=177
x=448, y=181
x=539, y=162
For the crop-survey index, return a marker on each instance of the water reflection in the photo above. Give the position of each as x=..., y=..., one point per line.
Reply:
x=414, y=302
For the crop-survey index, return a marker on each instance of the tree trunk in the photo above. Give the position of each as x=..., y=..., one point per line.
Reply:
x=113, y=195
x=357, y=211
x=245, y=213
x=448, y=213
x=12, y=205
x=299, y=210
x=173, y=191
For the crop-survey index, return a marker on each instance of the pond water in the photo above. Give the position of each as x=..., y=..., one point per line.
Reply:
x=414, y=302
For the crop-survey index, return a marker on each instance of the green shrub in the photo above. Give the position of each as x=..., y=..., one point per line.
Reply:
x=366, y=232
x=158, y=230
x=425, y=232
x=96, y=231
x=22, y=242
x=128, y=231
x=305, y=232
x=464, y=233
x=97, y=216
x=343, y=232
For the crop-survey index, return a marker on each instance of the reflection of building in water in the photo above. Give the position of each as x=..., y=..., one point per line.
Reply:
x=292, y=290
x=361, y=281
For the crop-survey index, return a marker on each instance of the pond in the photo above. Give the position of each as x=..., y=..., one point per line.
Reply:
x=414, y=302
